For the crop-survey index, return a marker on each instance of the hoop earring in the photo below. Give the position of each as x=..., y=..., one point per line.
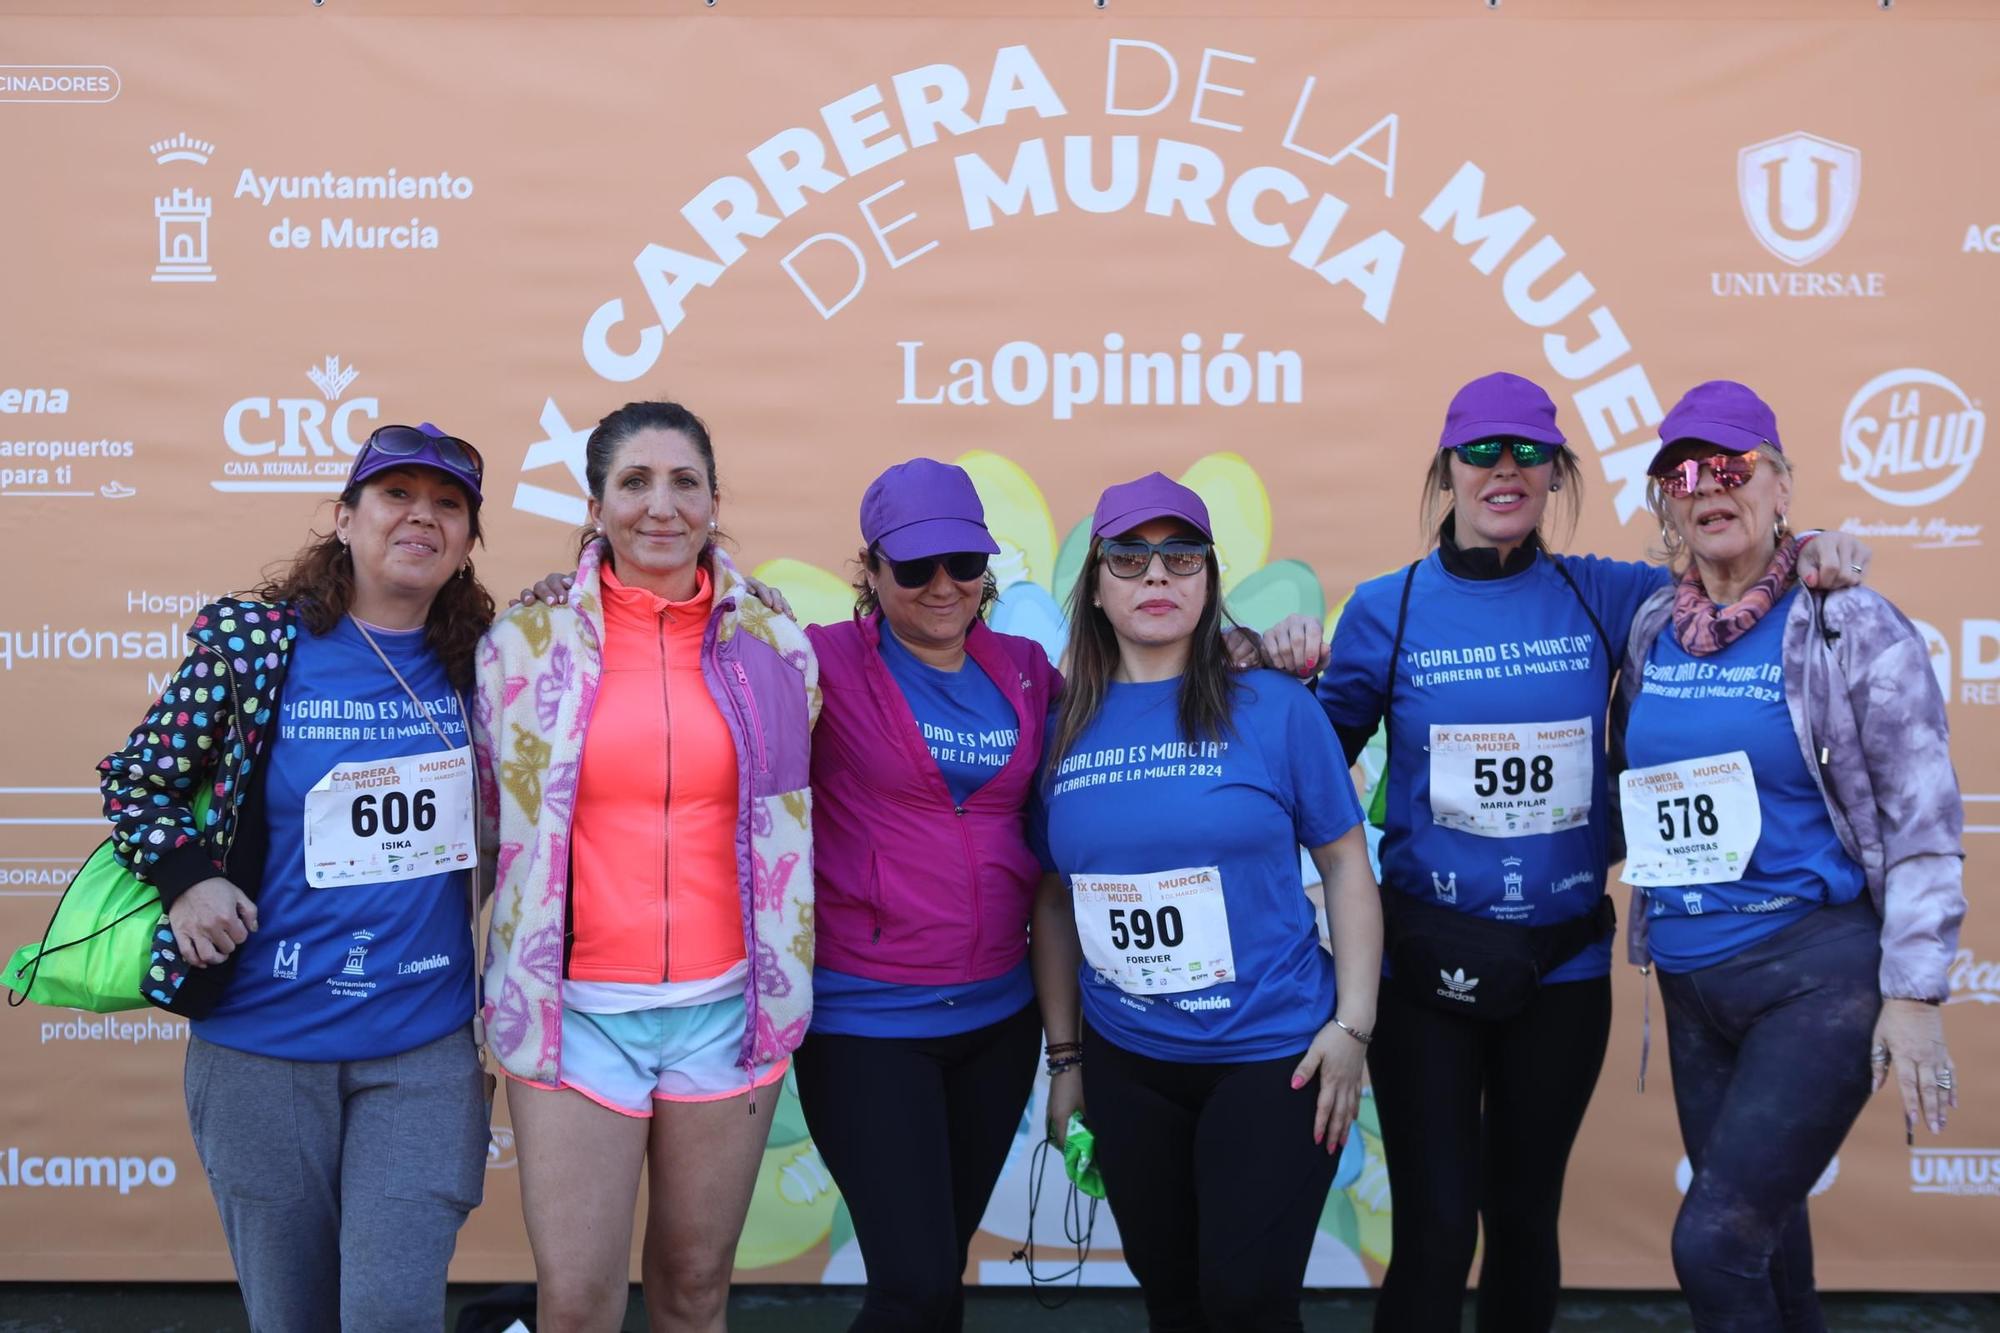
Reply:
x=1781, y=529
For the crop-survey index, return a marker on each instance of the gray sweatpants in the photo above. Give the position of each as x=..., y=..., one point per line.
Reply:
x=341, y=1186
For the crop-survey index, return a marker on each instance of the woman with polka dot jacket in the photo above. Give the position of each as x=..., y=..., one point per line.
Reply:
x=302, y=797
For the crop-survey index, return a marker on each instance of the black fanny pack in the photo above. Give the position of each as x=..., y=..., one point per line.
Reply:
x=1473, y=966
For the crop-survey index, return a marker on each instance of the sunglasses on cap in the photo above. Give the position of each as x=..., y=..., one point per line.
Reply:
x=408, y=442
x=1486, y=453
x=962, y=566
x=1128, y=557
x=1729, y=471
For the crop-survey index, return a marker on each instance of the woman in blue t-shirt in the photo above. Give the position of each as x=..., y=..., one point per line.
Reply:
x=302, y=797
x=1490, y=662
x=1794, y=909
x=1221, y=1048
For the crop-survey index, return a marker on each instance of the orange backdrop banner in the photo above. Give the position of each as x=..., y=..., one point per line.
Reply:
x=1062, y=244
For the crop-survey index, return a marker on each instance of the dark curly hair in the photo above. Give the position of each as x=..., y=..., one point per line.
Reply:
x=319, y=582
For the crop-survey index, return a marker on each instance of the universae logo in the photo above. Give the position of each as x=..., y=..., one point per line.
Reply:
x=1799, y=192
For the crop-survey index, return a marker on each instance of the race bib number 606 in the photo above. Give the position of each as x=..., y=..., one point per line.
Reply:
x=385, y=819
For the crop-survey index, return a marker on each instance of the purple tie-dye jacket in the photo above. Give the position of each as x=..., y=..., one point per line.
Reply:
x=1869, y=700
x=538, y=671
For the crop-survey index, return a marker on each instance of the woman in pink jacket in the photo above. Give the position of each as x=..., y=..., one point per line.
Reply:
x=923, y=1043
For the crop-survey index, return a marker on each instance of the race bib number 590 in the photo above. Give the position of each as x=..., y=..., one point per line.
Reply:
x=378, y=820
x=1155, y=933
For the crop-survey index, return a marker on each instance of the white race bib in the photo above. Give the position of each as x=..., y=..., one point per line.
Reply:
x=1506, y=779
x=1694, y=822
x=1155, y=933
x=386, y=819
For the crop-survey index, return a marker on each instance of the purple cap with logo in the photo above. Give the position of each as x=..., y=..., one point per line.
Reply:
x=1125, y=506
x=1723, y=413
x=419, y=446
x=1500, y=406
x=924, y=507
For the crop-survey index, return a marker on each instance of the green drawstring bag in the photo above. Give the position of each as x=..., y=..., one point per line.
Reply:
x=99, y=943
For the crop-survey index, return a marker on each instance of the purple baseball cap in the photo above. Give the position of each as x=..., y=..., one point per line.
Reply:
x=1497, y=406
x=419, y=446
x=1128, y=504
x=1723, y=413
x=924, y=507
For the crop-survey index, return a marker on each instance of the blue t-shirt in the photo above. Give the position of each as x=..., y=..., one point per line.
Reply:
x=356, y=971
x=966, y=722
x=1690, y=707
x=1479, y=655
x=1133, y=797
x=971, y=731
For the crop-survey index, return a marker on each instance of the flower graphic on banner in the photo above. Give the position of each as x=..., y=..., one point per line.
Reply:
x=1035, y=571
x=794, y=1205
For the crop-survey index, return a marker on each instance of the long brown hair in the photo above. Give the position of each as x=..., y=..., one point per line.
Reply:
x=1436, y=504
x=319, y=583
x=1208, y=685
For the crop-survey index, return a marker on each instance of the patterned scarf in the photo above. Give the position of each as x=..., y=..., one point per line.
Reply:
x=1705, y=629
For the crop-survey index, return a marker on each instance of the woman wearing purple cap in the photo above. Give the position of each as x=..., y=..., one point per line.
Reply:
x=922, y=1049
x=302, y=797
x=924, y=1039
x=1218, y=1045
x=1490, y=663
x=1792, y=825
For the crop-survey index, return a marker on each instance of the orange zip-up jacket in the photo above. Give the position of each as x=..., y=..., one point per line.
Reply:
x=654, y=895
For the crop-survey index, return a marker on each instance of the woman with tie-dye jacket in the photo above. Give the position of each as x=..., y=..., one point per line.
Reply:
x=644, y=763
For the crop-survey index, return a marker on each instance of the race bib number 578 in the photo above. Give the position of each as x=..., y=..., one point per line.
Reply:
x=1692, y=822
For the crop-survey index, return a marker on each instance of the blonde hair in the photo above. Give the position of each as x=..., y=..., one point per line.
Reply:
x=1671, y=550
x=1437, y=503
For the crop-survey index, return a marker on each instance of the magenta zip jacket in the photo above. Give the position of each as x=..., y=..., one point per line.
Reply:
x=910, y=886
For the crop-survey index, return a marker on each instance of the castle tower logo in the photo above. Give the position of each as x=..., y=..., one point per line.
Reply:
x=183, y=215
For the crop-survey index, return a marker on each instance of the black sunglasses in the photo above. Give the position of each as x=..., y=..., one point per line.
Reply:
x=408, y=442
x=1128, y=557
x=962, y=566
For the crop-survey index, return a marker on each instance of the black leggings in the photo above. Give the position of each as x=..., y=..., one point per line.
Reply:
x=1477, y=1123
x=915, y=1131
x=1216, y=1183
x=1770, y=1060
